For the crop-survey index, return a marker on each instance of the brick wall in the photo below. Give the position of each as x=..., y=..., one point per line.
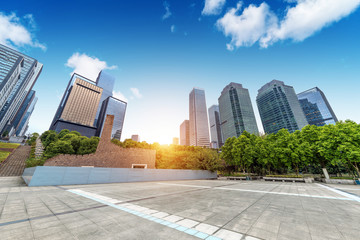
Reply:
x=107, y=154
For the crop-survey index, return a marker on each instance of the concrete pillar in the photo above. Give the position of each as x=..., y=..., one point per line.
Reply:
x=326, y=173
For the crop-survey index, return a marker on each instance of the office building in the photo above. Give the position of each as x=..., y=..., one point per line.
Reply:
x=279, y=108
x=18, y=74
x=236, y=111
x=175, y=141
x=198, y=119
x=185, y=133
x=78, y=107
x=316, y=107
x=116, y=107
x=106, y=82
x=86, y=103
x=135, y=138
x=24, y=124
x=215, y=130
x=23, y=115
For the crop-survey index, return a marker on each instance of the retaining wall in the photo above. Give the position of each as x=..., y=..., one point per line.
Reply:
x=50, y=176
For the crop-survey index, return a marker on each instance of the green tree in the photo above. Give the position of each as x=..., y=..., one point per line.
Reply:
x=59, y=147
x=341, y=142
x=88, y=145
x=204, y=159
x=48, y=137
x=62, y=133
x=227, y=153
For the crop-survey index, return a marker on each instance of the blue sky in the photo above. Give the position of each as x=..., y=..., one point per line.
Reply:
x=159, y=50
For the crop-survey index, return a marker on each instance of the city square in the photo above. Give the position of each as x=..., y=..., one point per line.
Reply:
x=196, y=209
x=160, y=120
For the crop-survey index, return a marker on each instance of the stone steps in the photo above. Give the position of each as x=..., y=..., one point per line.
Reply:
x=14, y=165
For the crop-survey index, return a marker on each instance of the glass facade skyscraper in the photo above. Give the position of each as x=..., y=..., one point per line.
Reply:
x=18, y=74
x=279, y=108
x=85, y=105
x=106, y=82
x=30, y=98
x=316, y=107
x=215, y=131
x=23, y=125
x=116, y=107
x=198, y=119
x=236, y=111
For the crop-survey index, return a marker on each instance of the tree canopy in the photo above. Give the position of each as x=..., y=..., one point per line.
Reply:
x=331, y=146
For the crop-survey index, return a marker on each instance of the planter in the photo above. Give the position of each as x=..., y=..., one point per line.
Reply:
x=339, y=181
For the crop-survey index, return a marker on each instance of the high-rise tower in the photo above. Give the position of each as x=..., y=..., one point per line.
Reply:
x=215, y=131
x=236, y=111
x=185, y=133
x=279, y=108
x=198, y=119
x=18, y=74
x=316, y=107
x=85, y=105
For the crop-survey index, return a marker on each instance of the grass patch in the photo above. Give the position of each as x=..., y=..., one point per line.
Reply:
x=235, y=175
x=348, y=178
x=9, y=145
x=284, y=176
x=3, y=155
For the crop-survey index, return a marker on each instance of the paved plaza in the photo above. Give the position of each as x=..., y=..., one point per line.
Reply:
x=201, y=209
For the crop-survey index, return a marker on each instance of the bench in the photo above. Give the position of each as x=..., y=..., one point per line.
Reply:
x=275, y=179
x=236, y=178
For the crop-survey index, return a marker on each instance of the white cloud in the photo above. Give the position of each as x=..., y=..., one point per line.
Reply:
x=167, y=9
x=119, y=95
x=172, y=28
x=309, y=17
x=87, y=66
x=213, y=7
x=302, y=20
x=247, y=28
x=14, y=34
x=136, y=92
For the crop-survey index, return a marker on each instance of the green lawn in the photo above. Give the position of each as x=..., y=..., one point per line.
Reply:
x=3, y=155
x=9, y=145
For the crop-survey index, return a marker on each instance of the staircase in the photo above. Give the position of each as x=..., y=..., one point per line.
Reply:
x=14, y=165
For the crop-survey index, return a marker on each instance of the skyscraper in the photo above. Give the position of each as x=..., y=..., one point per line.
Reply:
x=116, y=107
x=185, y=133
x=316, y=107
x=279, y=108
x=78, y=107
x=24, y=124
x=23, y=112
x=198, y=119
x=236, y=111
x=85, y=105
x=215, y=131
x=18, y=74
x=106, y=82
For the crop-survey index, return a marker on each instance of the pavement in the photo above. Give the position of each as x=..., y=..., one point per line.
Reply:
x=193, y=209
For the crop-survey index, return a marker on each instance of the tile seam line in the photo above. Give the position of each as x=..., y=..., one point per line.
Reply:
x=85, y=194
x=261, y=191
x=110, y=205
x=289, y=194
x=50, y=215
x=245, y=234
x=344, y=193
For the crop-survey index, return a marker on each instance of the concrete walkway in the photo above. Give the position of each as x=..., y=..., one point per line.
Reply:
x=201, y=209
x=14, y=165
